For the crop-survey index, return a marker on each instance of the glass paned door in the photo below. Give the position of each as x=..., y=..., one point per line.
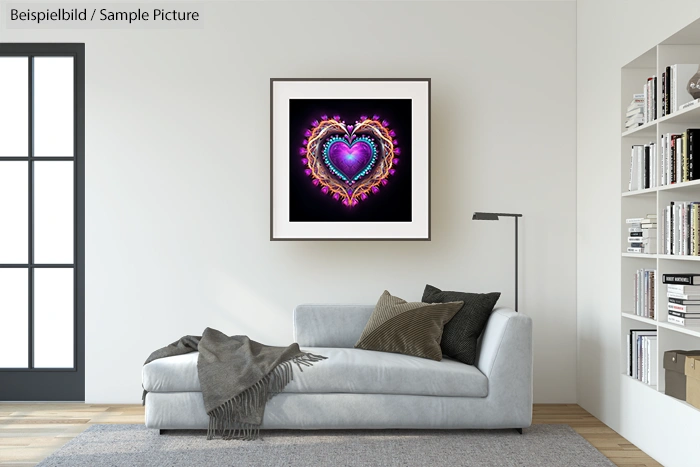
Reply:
x=42, y=221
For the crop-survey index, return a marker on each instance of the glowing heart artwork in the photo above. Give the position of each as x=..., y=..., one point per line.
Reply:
x=349, y=161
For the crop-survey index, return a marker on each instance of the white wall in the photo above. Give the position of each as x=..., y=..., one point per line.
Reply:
x=177, y=173
x=610, y=34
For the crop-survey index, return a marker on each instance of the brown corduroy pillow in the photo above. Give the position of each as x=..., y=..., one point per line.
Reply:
x=410, y=328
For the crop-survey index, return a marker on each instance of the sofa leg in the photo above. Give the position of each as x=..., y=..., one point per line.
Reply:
x=519, y=430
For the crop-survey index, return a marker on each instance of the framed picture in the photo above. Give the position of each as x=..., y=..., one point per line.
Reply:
x=350, y=159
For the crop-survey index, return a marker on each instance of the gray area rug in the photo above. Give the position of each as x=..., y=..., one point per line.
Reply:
x=136, y=445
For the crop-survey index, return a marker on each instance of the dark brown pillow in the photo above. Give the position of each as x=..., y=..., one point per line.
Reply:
x=460, y=336
x=408, y=328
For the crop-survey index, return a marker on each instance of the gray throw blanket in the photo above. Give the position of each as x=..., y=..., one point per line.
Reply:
x=238, y=376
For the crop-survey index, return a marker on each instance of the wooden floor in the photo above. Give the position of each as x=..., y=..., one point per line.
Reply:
x=30, y=432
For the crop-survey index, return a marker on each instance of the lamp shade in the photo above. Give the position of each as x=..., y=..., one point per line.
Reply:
x=485, y=216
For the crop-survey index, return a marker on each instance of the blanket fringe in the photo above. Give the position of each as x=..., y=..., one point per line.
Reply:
x=225, y=420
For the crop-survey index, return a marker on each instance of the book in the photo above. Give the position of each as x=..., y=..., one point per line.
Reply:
x=690, y=104
x=681, y=301
x=681, y=278
x=675, y=172
x=682, y=314
x=634, y=121
x=654, y=93
x=650, y=100
x=652, y=356
x=662, y=148
x=635, y=220
x=684, y=308
x=667, y=87
x=683, y=289
x=681, y=296
x=694, y=234
x=663, y=94
x=683, y=321
x=692, y=136
x=636, y=354
x=647, y=249
x=637, y=102
x=684, y=156
x=638, y=239
x=639, y=232
x=634, y=171
x=681, y=74
x=645, y=293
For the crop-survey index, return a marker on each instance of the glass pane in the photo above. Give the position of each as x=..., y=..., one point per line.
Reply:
x=14, y=212
x=14, y=316
x=53, y=318
x=53, y=212
x=14, y=106
x=53, y=106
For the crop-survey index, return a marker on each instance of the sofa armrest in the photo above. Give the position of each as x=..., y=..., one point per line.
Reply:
x=506, y=359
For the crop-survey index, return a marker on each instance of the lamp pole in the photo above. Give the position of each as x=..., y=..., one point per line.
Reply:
x=516, y=263
x=494, y=216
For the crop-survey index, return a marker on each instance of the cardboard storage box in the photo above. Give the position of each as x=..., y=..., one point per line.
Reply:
x=692, y=372
x=674, y=364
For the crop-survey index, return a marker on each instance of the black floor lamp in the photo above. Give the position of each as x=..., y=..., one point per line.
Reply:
x=494, y=216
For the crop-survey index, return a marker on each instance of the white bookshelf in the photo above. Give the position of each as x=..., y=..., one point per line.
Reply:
x=683, y=47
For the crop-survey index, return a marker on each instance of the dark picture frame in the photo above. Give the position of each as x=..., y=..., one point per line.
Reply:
x=311, y=200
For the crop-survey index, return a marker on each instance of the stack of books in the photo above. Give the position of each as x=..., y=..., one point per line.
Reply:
x=635, y=112
x=678, y=157
x=680, y=234
x=645, y=293
x=643, y=167
x=683, y=291
x=674, y=92
x=642, y=234
x=642, y=356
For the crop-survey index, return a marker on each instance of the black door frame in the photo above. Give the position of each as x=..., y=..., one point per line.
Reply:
x=54, y=384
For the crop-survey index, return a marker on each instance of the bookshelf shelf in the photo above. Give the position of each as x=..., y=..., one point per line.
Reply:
x=679, y=257
x=689, y=115
x=694, y=185
x=639, y=255
x=648, y=129
x=643, y=202
x=648, y=386
x=689, y=187
x=646, y=191
x=691, y=331
x=641, y=319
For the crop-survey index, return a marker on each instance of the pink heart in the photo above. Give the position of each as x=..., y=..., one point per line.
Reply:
x=350, y=159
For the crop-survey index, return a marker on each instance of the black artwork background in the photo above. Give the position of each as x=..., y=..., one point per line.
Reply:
x=391, y=204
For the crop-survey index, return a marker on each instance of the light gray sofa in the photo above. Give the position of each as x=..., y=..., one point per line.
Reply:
x=365, y=389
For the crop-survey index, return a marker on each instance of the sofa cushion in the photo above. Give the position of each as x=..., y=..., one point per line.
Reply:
x=461, y=333
x=407, y=328
x=353, y=371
